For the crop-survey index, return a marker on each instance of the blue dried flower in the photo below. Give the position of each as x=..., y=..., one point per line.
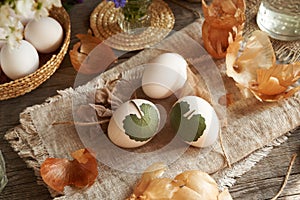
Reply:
x=119, y=3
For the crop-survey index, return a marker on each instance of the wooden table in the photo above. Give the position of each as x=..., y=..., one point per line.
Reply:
x=262, y=182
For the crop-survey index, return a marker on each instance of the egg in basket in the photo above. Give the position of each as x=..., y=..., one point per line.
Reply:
x=37, y=56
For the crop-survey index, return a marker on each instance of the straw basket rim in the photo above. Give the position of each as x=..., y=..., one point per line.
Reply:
x=30, y=82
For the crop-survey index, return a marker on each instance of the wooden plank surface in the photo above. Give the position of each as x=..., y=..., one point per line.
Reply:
x=262, y=182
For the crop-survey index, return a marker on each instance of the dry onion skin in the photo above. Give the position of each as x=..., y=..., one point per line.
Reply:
x=273, y=84
x=255, y=71
x=80, y=172
x=90, y=55
x=192, y=185
x=221, y=16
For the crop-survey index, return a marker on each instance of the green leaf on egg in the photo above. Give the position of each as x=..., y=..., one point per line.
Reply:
x=189, y=126
x=143, y=127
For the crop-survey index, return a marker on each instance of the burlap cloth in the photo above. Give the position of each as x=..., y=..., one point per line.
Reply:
x=249, y=129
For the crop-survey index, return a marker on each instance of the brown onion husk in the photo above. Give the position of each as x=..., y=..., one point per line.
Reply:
x=161, y=188
x=275, y=83
x=257, y=54
x=221, y=16
x=224, y=195
x=255, y=71
x=242, y=64
x=274, y=98
x=224, y=14
x=215, y=40
x=60, y=172
x=200, y=182
x=186, y=193
x=91, y=55
x=152, y=172
x=192, y=185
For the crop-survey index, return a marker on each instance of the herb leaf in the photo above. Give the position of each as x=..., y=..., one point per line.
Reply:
x=143, y=128
x=189, y=126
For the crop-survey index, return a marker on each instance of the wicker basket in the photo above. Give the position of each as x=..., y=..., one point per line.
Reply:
x=28, y=83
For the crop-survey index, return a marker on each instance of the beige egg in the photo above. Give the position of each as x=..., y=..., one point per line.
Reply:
x=45, y=34
x=164, y=75
x=195, y=120
x=125, y=129
x=19, y=61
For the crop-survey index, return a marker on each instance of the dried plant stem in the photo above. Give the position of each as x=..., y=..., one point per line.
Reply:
x=286, y=177
x=223, y=149
x=81, y=123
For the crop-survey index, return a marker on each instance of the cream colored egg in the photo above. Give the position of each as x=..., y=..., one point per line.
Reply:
x=164, y=75
x=134, y=123
x=19, y=61
x=45, y=34
x=195, y=120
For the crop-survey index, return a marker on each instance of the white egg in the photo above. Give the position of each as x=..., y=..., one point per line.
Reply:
x=164, y=75
x=125, y=129
x=45, y=34
x=19, y=61
x=195, y=120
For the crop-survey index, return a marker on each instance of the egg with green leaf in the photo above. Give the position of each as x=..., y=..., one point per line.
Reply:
x=195, y=121
x=134, y=123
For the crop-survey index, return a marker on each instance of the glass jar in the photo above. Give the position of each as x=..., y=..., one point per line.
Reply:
x=280, y=19
x=135, y=16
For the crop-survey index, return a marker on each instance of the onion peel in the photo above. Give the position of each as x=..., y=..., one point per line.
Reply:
x=255, y=71
x=199, y=182
x=273, y=84
x=90, y=55
x=151, y=173
x=220, y=18
x=60, y=172
x=215, y=40
x=274, y=98
x=224, y=195
x=162, y=188
x=224, y=14
x=258, y=53
x=192, y=185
